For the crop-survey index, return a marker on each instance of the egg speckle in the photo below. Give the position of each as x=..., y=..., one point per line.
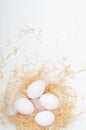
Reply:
x=45, y=118
x=36, y=89
x=24, y=106
x=49, y=101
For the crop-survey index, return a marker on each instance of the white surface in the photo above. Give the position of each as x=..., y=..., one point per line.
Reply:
x=63, y=21
x=41, y=119
x=36, y=89
x=49, y=101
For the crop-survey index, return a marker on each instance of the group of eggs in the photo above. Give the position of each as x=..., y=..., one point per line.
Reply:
x=48, y=101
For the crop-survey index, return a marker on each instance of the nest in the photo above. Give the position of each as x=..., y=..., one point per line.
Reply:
x=18, y=84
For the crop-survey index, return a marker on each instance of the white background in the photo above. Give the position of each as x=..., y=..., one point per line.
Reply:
x=64, y=20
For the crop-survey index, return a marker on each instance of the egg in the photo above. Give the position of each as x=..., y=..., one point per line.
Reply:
x=49, y=101
x=45, y=118
x=24, y=106
x=36, y=89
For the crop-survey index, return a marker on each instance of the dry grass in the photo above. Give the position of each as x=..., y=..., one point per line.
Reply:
x=18, y=85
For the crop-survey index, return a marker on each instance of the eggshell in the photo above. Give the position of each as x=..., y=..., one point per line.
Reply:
x=45, y=118
x=24, y=106
x=36, y=89
x=49, y=101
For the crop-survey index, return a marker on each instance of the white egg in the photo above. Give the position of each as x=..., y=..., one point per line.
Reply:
x=36, y=89
x=49, y=101
x=45, y=118
x=24, y=106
